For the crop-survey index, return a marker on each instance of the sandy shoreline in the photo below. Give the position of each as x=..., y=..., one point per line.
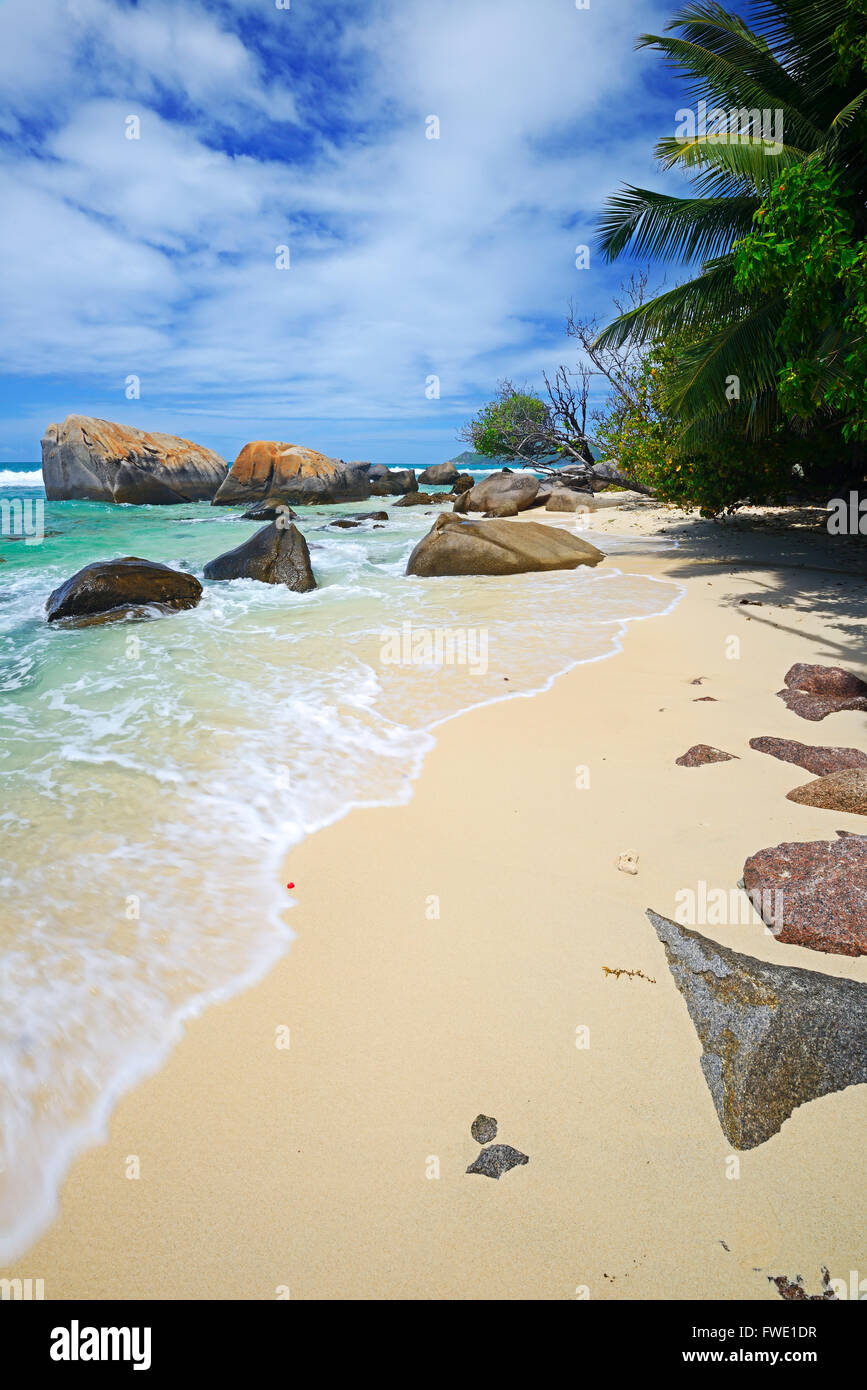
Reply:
x=265, y=1168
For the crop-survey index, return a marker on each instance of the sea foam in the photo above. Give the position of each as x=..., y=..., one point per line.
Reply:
x=156, y=774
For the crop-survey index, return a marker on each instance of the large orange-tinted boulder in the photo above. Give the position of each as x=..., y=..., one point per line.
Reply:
x=99, y=461
x=293, y=474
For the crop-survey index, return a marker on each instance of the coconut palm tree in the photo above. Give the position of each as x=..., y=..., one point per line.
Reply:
x=788, y=66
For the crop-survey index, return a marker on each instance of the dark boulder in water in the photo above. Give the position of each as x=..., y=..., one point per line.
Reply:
x=422, y=499
x=269, y=511
x=391, y=482
x=120, y=586
x=276, y=554
x=439, y=475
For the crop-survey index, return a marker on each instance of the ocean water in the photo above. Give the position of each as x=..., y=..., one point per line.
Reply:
x=155, y=773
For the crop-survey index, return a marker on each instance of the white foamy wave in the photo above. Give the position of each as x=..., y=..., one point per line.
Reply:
x=156, y=776
x=10, y=478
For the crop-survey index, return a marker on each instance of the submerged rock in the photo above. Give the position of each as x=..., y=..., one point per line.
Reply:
x=819, y=761
x=496, y=1160
x=357, y=518
x=120, y=586
x=269, y=511
x=774, y=1036
x=269, y=471
x=816, y=691
x=100, y=461
x=483, y=1129
x=840, y=791
x=701, y=753
x=453, y=546
x=274, y=555
x=813, y=894
x=422, y=499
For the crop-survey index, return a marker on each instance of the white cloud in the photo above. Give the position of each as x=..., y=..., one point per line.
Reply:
x=409, y=256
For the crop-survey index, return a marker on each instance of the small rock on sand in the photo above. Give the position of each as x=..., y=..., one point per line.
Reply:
x=496, y=1160
x=702, y=753
x=483, y=1129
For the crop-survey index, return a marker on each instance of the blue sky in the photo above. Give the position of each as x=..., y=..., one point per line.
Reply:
x=306, y=127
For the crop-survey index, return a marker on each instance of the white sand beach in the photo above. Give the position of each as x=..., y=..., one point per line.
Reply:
x=448, y=953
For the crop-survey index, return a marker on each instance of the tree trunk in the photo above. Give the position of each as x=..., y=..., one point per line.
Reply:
x=581, y=478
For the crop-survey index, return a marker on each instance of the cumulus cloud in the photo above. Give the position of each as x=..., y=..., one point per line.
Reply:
x=306, y=128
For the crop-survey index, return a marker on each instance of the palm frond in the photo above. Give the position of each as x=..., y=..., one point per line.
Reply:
x=728, y=167
x=685, y=229
x=723, y=84
x=744, y=349
x=706, y=298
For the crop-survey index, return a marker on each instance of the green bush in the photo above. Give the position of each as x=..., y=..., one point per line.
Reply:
x=644, y=436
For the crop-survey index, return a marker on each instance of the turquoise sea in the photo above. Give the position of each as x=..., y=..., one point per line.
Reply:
x=155, y=773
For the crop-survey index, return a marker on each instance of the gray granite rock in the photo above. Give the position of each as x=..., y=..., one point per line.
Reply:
x=483, y=1129
x=774, y=1036
x=496, y=488
x=439, y=475
x=496, y=1160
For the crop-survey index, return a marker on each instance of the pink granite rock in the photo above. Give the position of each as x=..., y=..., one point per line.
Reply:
x=813, y=894
x=816, y=691
x=841, y=791
x=819, y=761
x=702, y=753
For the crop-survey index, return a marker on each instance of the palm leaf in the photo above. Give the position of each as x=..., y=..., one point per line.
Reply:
x=706, y=299
x=659, y=225
x=722, y=83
